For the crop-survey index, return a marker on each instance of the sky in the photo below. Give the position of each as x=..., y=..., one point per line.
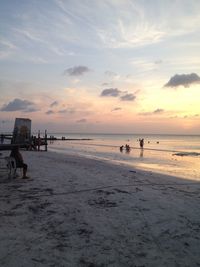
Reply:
x=101, y=66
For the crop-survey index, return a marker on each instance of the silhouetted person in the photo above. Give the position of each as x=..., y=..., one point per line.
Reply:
x=19, y=160
x=127, y=148
x=141, y=142
x=33, y=143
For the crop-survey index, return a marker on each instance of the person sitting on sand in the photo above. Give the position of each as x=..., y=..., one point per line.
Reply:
x=19, y=160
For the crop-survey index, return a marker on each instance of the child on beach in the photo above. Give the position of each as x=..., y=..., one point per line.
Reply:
x=19, y=161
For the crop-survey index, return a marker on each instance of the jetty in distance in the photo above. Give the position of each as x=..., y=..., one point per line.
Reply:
x=48, y=138
x=35, y=142
x=63, y=138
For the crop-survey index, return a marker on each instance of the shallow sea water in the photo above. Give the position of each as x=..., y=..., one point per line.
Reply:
x=158, y=155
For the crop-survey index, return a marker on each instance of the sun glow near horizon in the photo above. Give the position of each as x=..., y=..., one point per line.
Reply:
x=108, y=66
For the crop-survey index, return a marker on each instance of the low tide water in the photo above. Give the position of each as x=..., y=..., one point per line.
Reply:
x=177, y=155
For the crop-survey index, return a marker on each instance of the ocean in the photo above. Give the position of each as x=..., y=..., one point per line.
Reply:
x=177, y=155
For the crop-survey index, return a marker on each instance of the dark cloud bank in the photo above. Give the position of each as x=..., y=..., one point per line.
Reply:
x=128, y=97
x=111, y=92
x=114, y=92
x=183, y=79
x=76, y=71
x=19, y=105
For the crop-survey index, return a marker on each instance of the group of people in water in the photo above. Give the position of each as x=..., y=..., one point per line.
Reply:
x=127, y=148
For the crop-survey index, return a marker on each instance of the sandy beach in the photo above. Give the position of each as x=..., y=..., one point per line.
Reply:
x=75, y=211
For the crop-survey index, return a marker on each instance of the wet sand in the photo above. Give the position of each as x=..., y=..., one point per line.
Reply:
x=75, y=211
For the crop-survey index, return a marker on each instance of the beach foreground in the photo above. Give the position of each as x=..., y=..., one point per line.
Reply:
x=75, y=211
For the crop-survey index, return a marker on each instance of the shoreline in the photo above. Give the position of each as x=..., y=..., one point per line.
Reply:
x=76, y=211
x=145, y=159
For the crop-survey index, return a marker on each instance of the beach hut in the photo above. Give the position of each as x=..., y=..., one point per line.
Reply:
x=22, y=131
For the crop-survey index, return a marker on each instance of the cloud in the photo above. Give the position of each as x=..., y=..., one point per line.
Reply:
x=81, y=121
x=49, y=112
x=115, y=92
x=19, y=105
x=158, y=110
x=67, y=110
x=128, y=97
x=115, y=109
x=183, y=79
x=113, y=76
x=37, y=60
x=31, y=109
x=145, y=113
x=159, y=61
x=110, y=73
x=111, y=92
x=76, y=71
x=105, y=84
x=53, y=104
x=191, y=116
x=6, y=48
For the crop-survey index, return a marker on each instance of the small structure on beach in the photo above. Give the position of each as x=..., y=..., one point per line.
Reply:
x=22, y=131
x=23, y=138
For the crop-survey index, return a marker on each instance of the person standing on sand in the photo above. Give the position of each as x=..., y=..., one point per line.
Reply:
x=19, y=160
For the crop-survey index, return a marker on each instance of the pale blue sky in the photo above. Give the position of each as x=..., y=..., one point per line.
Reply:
x=70, y=51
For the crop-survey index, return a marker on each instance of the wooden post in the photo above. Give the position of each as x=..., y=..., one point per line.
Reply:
x=39, y=140
x=45, y=140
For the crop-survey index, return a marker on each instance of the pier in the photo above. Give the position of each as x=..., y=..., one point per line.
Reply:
x=36, y=142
